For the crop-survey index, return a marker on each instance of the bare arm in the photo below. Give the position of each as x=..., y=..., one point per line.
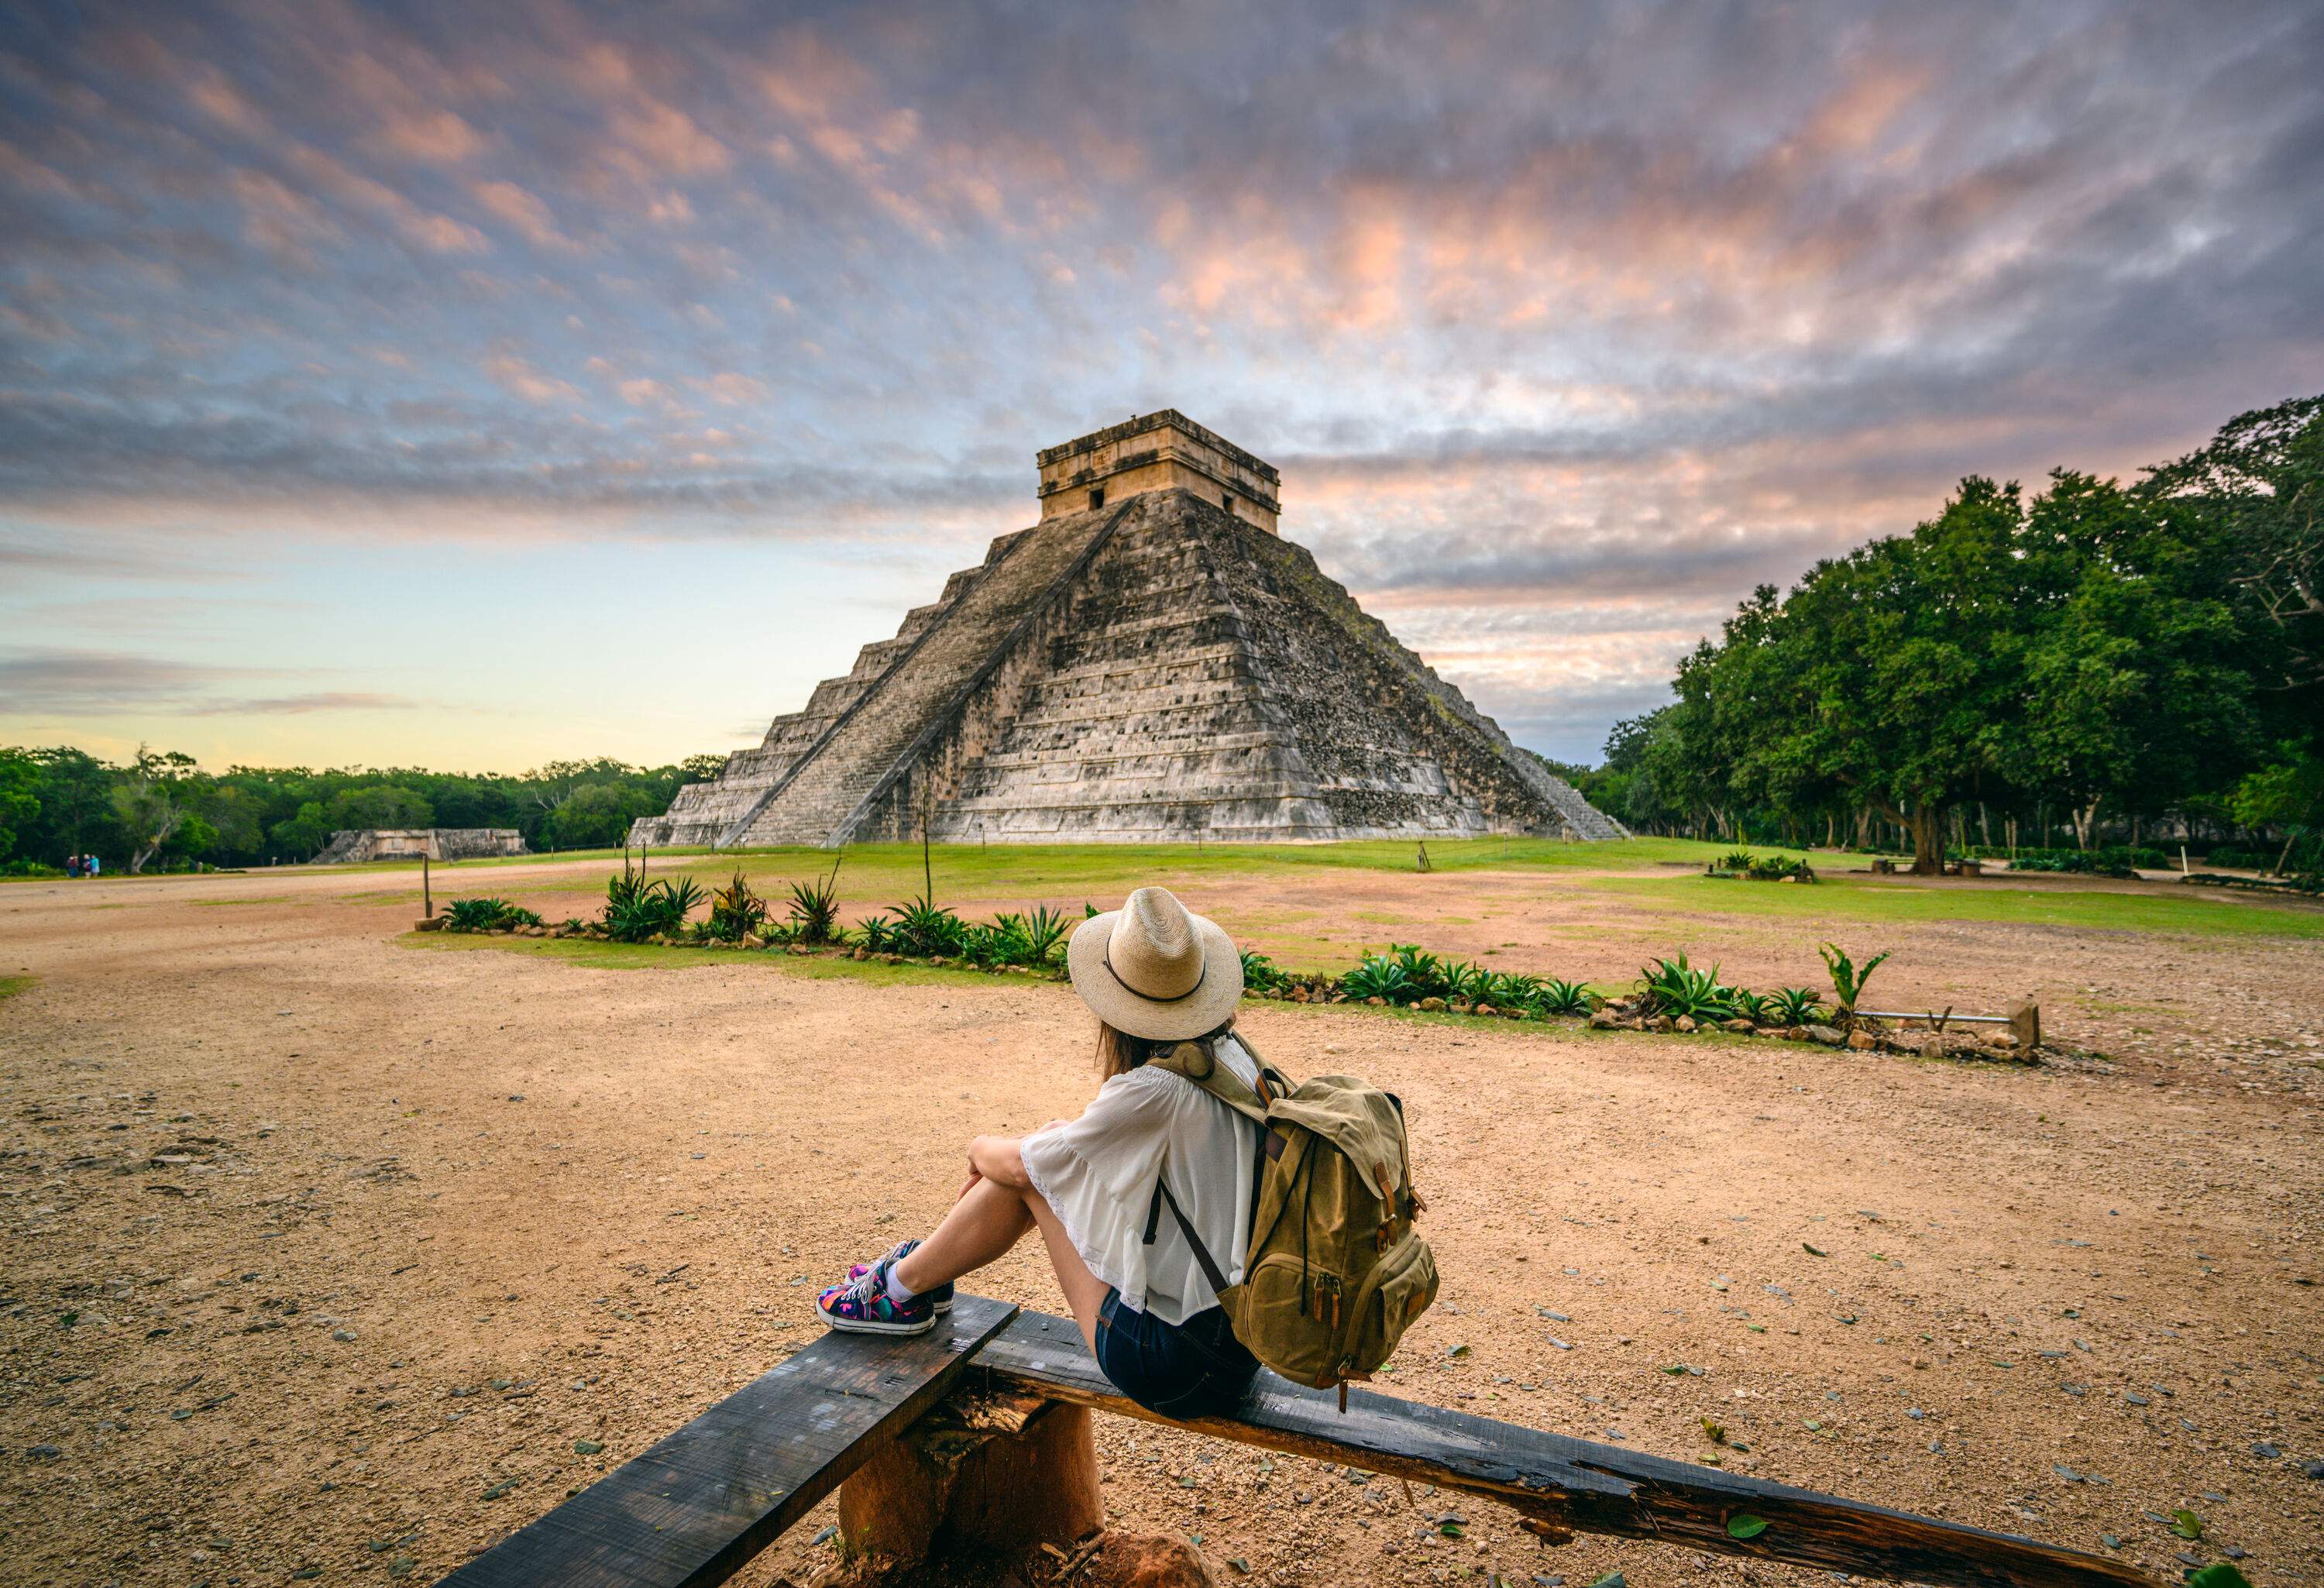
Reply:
x=998, y=1159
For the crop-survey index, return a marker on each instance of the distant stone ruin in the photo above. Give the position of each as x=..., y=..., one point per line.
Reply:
x=1150, y=662
x=354, y=843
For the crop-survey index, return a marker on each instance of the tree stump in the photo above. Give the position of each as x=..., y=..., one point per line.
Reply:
x=986, y=1474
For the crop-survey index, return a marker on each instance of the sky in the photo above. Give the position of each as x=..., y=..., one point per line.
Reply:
x=474, y=386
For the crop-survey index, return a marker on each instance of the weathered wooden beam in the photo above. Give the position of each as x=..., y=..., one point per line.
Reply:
x=1560, y=1485
x=691, y=1510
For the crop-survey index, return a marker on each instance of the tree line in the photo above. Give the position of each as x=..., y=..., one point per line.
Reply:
x=2099, y=663
x=158, y=811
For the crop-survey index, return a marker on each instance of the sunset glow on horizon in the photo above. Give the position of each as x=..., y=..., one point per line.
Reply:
x=473, y=387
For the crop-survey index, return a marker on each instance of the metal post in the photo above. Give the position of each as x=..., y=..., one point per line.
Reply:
x=426, y=893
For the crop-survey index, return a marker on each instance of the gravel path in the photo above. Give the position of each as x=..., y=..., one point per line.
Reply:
x=324, y=1252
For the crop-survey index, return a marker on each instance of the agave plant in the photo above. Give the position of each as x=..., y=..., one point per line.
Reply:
x=1261, y=974
x=1737, y=860
x=1795, y=1006
x=1045, y=930
x=1567, y=998
x=1846, y=978
x=735, y=911
x=637, y=907
x=1466, y=981
x=1754, y=1006
x=1671, y=986
x=815, y=909
x=1001, y=942
x=1424, y=972
x=882, y=936
x=927, y=930
x=1379, y=977
x=486, y=915
x=1513, y=990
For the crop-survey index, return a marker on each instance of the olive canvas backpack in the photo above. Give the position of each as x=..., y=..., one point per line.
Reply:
x=1335, y=1274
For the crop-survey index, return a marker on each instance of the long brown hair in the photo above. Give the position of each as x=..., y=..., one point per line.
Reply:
x=1118, y=1052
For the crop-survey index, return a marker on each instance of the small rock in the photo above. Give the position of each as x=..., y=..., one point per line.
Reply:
x=343, y=1336
x=2266, y=1451
x=1685, y=1022
x=1605, y=1019
x=1862, y=1040
x=1826, y=1035
x=45, y=1453
x=1740, y=1027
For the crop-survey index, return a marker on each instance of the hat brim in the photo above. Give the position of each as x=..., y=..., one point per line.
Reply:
x=1204, y=1010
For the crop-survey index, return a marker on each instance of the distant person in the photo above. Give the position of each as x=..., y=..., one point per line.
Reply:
x=94, y=867
x=72, y=865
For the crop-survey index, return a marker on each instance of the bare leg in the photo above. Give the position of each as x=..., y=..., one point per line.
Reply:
x=986, y=1223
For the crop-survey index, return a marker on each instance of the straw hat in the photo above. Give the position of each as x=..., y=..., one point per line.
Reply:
x=1155, y=969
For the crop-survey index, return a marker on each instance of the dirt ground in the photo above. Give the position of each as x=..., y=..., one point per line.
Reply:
x=323, y=1246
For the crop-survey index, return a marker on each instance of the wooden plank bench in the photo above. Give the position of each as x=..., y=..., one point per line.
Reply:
x=1560, y=1485
x=693, y=1509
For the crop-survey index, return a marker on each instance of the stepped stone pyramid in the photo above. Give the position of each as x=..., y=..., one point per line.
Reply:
x=1149, y=662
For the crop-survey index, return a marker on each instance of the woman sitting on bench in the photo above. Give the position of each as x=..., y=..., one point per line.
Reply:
x=1154, y=975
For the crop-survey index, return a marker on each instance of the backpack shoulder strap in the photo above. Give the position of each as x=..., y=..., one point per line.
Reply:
x=1197, y=1062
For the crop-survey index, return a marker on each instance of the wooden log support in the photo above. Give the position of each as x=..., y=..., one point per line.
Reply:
x=693, y=1509
x=1561, y=1486
x=993, y=1475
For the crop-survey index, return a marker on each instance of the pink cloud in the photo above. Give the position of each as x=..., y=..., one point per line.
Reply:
x=522, y=211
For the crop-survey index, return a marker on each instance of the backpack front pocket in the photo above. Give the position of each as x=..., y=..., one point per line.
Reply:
x=1403, y=1285
x=1279, y=1321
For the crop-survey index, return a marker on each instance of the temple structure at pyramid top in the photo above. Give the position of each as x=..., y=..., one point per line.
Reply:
x=1152, y=662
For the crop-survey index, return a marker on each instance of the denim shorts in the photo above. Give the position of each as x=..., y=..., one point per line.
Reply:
x=1190, y=1369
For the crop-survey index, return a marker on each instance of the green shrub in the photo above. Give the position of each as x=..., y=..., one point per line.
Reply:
x=1672, y=986
x=1567, y=998
x=636, y=907
x=1261, y=974
x=924, y=930
x=735, y=911
x=1512, y=989
x=1046, y=931
x=486, y=915
x=1796, y=1006
x=815, y=909
x=1376, y=977
x=1847, y=980
x=1737, y=860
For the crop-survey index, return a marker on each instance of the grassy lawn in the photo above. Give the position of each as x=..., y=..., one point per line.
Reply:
x=1071, y=870
x=2162, y=907
x=636, y=957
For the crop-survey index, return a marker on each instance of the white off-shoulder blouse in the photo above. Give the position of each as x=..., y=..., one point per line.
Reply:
x=1098, y=1173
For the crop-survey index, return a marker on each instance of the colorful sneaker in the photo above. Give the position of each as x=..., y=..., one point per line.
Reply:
x=864, y=1306
x=941, y=1296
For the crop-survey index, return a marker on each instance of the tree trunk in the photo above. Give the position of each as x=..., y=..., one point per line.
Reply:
x=986, y=1476
x=2086, y=821
x=1928, y=839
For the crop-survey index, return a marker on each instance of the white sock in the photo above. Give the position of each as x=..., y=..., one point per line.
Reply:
x=897, y=1292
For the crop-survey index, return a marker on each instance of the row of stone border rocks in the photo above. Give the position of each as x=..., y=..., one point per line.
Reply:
x=1863, y=1033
